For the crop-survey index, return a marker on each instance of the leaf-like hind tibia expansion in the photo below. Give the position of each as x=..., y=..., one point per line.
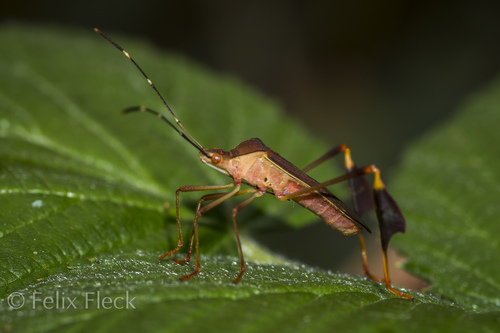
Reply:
x=390, y=218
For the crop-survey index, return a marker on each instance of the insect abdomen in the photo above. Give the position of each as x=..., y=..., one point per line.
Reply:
x=322, y=203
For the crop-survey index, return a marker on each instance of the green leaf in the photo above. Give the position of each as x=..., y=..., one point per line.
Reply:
x=150, y=296
x=82, y=192
x=449, y=190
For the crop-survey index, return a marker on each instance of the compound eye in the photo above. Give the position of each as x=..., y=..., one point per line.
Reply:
x=216, y=158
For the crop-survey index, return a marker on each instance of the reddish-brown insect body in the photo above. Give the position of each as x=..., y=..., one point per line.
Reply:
x=263, y=168
x=265, y=171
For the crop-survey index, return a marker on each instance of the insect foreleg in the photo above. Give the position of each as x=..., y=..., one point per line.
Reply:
x=180, y=242
x=208, y=197
x=218, y=198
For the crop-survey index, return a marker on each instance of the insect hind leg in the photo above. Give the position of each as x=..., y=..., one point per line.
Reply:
x=389, y=216
x=390, y=220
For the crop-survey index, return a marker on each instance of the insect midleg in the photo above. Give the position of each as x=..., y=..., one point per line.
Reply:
x=355, y=173
x=236, y=209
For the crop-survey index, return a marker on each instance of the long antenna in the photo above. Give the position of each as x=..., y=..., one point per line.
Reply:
x=184, y=131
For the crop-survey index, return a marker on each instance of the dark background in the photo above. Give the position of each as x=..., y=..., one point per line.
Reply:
x=373, y=74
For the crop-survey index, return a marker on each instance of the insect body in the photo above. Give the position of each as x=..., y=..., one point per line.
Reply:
x=265, y=171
